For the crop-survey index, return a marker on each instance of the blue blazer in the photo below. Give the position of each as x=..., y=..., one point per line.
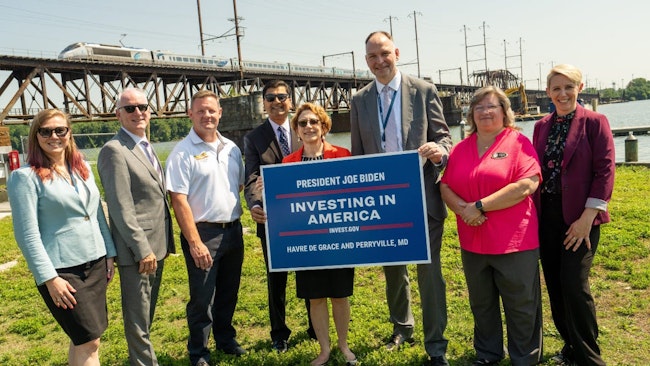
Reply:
x=53, y=227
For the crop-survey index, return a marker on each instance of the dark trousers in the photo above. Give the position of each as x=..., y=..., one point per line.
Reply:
x=277, y=298
x=433, y=296
x=567, y=280
x=512, y=278
x=213, y=292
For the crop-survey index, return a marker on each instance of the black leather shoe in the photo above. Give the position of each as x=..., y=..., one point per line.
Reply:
x=397, y=340
x=234, y=349
x=562, y=360
x=438, y=361
x=280, y=346
x=484, y=362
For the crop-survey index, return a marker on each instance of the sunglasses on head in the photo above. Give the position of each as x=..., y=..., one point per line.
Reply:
x=47, y=132
x=131, y=108
x=311, y=121
x=272, y=97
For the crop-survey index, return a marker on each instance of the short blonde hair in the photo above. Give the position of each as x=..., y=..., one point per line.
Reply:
x=571, y=72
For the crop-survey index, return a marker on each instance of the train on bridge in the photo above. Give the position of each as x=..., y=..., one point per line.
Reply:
x=102, y=52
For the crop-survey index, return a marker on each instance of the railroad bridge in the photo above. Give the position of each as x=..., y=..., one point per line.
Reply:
x=87, y=89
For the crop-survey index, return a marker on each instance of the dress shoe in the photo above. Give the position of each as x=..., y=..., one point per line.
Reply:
x=397, y=340
x=561, y=359
x=438, y=361
x=234, y=349
x=280, y=346
x=484, y=362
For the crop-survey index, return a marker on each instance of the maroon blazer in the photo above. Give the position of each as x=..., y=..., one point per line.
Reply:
x=329, y=151
x=588, y=165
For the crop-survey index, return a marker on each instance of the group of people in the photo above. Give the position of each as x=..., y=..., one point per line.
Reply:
x=515, y=202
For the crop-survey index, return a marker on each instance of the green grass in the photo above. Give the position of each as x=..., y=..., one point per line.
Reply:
x=620, y=284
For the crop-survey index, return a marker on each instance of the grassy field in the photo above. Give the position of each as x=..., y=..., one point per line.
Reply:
x=620, y=283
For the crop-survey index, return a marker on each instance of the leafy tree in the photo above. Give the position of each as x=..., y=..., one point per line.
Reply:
x=638, y=89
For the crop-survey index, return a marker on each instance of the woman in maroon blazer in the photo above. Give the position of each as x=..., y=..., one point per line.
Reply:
x=576, y=150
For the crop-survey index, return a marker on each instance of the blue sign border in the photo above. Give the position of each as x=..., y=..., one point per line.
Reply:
x=359, y=211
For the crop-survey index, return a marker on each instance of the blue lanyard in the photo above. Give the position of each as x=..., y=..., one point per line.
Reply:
x=381, y=113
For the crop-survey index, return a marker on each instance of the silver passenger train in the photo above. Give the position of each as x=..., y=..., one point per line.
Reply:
x=103, y=52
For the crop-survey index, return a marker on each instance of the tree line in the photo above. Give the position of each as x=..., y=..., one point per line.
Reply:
x=637, y=89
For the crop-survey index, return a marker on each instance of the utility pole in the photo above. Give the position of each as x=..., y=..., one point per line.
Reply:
x=521, y=66
x=467, y=60
x=417, y=49
x=390, y=22
x=466, y=57
x=198, y=7
x=487, y=75
x=238, y=36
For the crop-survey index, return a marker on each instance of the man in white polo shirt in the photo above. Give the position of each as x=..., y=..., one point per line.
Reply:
x=205, y=174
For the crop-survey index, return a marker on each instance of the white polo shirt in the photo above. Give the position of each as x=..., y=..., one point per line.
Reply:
x=210, y=174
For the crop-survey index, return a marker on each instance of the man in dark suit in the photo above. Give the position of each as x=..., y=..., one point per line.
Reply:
x=398, y=112
x=140, y=221
x=268, y=143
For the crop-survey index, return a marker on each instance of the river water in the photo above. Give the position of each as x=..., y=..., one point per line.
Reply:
x=620, y=115
x=627, y=114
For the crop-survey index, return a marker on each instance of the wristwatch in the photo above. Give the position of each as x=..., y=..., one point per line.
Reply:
x=479, y=206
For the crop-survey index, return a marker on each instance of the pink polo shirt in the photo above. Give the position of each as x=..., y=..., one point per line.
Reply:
x=511, y=158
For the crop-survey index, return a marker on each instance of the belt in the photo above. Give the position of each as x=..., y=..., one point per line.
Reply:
x=222, y=225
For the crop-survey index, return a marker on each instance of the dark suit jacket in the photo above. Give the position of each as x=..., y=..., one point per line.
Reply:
x=137, y=201
x=261, y=147
x=588, y=164
x=422, y=121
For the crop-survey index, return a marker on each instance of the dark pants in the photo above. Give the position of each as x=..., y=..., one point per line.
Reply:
x=512, y=278
x=213, y=292
x=433, y=296
x=277, y=298
x=567, y=280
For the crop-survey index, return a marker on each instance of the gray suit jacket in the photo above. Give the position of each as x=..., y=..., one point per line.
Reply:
x=422, y=121
x=137, y=201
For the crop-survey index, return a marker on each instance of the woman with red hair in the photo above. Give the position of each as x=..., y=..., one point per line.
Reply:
x=61, y=229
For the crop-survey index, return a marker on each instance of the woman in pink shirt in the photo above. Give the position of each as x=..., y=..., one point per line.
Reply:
x=488, y=183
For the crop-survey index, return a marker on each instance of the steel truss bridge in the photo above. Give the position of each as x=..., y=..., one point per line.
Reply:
x=88, y=90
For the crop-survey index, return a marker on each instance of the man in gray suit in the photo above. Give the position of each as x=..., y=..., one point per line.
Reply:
x=139, y=219
x=393, y=113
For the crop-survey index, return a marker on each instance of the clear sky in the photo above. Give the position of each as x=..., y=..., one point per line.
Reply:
x=608, y=40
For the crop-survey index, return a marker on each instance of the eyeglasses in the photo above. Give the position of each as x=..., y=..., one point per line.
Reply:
x=271, y=97
x=131, y=108
x=489, y=108
x=311, y=121
x=47, y=132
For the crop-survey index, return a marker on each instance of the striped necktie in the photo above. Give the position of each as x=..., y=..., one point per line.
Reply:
x=151, y=156
x=284, y=144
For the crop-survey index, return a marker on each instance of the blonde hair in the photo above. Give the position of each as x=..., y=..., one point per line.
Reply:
x=571, y=72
